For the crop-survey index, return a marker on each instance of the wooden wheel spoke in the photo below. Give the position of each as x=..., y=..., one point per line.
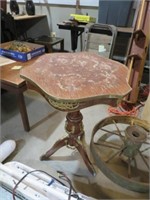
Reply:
x=119, y=132
x=145, y=149
x=144, y=160
x=114, y=155
x=111, y=132
x=129, y=167
x=108, y=144
x=146, y=143
x=135, y=163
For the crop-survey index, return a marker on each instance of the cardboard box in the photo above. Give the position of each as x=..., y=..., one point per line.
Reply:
x=83, y=18
x=34, y=50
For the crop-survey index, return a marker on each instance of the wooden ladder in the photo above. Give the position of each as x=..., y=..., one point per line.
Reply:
x=138, y=50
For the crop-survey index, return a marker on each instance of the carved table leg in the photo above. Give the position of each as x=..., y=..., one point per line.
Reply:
x=55, y=147
x=75, y=131
x=23, y=111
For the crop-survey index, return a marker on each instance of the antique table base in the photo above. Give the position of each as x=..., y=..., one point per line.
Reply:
x=75, y=138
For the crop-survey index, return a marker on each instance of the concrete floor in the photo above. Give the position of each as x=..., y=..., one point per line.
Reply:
x=47, y=126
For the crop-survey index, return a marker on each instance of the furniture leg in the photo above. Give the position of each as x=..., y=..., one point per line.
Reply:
x=49, y=48
x=74, y=128
x=85, y=157
x=62, y=46
x=81, y=43
x=23, y=111
x=74, y=40
x=55, y=147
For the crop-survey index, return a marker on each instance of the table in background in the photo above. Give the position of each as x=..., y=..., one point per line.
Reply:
x=35, y=28
x=13, y=83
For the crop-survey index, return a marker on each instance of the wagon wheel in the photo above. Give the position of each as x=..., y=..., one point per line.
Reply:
x=120, y=146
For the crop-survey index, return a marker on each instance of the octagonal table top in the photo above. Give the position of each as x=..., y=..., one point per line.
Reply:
x=77, y=76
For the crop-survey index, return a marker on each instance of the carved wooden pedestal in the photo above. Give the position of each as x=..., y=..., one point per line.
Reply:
x=75, y=139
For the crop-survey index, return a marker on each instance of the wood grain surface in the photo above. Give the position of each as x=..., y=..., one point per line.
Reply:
x=77, y=76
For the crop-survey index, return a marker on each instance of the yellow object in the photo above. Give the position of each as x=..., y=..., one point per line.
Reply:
x=83, y=18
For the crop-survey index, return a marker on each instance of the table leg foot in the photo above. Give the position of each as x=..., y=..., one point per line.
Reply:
x=23, y=111
x=86, y=159
x=77, y=145
x=55, y=147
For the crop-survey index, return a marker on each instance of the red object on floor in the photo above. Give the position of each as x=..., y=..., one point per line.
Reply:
x=125, y=108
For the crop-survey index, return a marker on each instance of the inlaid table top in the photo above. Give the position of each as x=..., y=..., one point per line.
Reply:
x=77, y=76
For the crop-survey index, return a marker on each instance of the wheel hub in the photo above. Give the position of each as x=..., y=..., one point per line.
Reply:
x=134, y=138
